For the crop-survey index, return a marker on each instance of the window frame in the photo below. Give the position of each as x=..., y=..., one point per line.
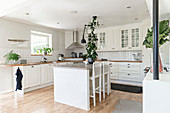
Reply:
x=43, y=34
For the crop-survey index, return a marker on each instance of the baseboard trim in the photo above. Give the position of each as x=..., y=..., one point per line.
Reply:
x=38, y=87
x=6, y=91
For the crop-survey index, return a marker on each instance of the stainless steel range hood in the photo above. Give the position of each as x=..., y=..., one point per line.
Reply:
x=75, y=44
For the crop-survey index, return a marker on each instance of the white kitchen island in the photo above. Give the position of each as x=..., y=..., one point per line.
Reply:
x=71, y=85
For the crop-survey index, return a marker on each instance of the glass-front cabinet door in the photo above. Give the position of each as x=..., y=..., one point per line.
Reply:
x=101, y=40
x=135, y=40
x=124, y=39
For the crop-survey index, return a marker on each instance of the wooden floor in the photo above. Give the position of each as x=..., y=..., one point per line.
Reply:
x=42, y=101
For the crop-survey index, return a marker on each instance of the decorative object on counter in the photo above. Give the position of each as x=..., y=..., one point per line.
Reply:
x=80, y=55
x=60, y=57
x=83, y=41
x=12, y=58
x=84, y=56
x=164, y=31
x=137, y=56
x=92, y=40
x=73, y=55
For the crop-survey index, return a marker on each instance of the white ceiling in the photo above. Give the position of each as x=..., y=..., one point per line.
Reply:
x=109, y=12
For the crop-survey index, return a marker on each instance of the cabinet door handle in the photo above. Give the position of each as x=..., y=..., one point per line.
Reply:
x=32, y=66
x=128, y=66
x=129, y=47
x=113, y=48
x=129, y=74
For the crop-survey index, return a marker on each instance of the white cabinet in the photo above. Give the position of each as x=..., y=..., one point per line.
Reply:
x=32, y=75
x=113, y=40
x=125, y=71
x=114, y=70
x=102, y=40
x=68, y=38
x=130, y=38
x=46, y=73
x=130, y=71
x=107, y=40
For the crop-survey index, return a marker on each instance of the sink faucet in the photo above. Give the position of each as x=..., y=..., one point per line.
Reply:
x=43, y=59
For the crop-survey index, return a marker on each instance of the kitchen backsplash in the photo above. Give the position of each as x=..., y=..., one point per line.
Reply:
x=26, y=54
x=118, y=55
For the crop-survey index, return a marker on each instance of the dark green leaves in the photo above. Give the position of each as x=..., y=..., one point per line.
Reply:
x=12, y=56
x=164, y=31
x=92, y=39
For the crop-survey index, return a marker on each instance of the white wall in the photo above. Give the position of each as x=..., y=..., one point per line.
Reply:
x=15, y=30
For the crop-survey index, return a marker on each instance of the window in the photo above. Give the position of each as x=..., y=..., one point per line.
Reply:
x=39, y=41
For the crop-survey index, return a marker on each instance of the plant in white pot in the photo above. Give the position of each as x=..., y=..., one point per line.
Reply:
x=91, y=46
x=164, y=31
x=11, y=57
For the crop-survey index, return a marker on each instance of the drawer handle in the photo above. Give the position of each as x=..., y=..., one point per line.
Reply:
x=32, y=66
x=128, y=74
x=128, y=66
x=111, y=73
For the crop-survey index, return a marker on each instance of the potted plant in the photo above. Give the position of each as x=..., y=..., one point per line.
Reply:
x=164, y=31
x=45, y=50
x=12, y=57
x=91, y=46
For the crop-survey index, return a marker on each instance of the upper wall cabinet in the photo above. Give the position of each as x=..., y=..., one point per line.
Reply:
x=107, y=40
x=130, y=39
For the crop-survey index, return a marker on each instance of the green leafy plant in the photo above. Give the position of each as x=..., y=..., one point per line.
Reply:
x=45, y=51
x=92, y=39
x=164, y=31
x=12, y=56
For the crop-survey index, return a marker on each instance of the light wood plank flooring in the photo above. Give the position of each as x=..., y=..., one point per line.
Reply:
x=42, y=101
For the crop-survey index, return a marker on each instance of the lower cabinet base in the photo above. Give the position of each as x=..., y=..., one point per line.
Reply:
x=126, y=82
x=25, y=90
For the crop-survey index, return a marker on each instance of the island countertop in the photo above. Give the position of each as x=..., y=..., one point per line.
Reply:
x=76, y=66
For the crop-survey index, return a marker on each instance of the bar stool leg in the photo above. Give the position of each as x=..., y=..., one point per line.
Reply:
x=94, y=93
x=103, y=85
x=108, y=84
x=100, y=89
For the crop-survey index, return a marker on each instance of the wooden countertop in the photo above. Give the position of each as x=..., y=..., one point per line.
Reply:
x=38, y=63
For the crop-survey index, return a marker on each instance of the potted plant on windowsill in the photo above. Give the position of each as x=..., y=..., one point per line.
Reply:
x=43, y=50
x=12, y=58
x=91, y=46
x=164, y=31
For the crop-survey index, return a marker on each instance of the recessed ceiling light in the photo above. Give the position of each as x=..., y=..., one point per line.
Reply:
x=129, y=7
x=136, y=18
x=27, y=13
x=74, y=12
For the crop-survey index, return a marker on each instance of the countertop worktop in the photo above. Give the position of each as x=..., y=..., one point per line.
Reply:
x=76, y=66
x=35, y=63
x=38, y=63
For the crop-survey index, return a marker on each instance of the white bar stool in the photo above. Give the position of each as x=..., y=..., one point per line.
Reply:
x=106, y=82
x=96, y=73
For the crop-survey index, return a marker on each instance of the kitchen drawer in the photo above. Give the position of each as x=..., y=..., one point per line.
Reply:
x=130, y=76
x=114, y=76
x=130, y=65
x=132, y=70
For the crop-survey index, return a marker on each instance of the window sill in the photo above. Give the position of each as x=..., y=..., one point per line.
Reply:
x=41, y=55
